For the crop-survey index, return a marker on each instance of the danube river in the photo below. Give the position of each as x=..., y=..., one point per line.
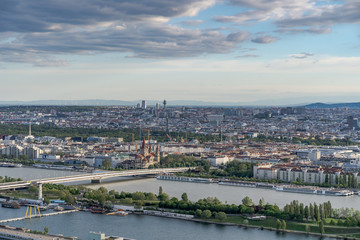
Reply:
x=148, y=227
x=229, y=194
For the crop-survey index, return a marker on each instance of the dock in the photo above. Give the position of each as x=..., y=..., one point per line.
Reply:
x=36, y=216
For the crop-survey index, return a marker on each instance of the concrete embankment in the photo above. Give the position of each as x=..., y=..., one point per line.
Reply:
x=7, y=232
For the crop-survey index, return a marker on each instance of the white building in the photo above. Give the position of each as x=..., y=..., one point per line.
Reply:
x=216, y=161
x=49, y=158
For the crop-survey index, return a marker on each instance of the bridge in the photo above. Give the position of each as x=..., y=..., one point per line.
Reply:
x=94, y=177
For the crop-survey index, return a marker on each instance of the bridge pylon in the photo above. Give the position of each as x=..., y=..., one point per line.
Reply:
x=29, y=209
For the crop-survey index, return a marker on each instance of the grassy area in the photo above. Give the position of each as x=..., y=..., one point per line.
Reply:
x=20, y=194
x=294, y=226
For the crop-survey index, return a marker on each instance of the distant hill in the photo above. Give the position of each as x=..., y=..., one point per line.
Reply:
x=101, y=102
x=355, y=105
x=194, y=103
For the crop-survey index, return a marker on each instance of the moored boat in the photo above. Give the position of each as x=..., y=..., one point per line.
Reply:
x=183, y=179
x=12, y=204
x=98, y=210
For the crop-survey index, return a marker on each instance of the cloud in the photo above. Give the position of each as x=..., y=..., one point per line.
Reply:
x=51, y=15
x=138, y=40
x=248, y=56
x=301, y=16
x=264, y=39
x=27, y=56
x=302, y=55
x=263, y=10
x=348, y=12
x=192, y=22
x=238, y=36
x=42, y=29
x=318, y=30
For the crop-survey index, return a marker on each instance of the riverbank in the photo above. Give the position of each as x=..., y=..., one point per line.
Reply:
x=278, y=187
x=225, y=223
x=7, y=232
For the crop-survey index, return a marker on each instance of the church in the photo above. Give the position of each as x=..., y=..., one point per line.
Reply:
x=147, y=157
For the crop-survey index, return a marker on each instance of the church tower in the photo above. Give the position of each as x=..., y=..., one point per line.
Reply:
x=158, y=154
x=144, y=150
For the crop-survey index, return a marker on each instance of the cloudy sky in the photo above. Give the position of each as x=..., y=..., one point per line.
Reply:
x=271, y=51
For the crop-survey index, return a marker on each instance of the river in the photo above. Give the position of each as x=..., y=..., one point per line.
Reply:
x=229, y=194
x=148, y=227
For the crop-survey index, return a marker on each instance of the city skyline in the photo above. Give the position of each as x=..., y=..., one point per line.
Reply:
x=204, y=50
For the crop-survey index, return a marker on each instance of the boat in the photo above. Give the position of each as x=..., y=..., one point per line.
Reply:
x=183, y=179
x=98, y=210
x=338, y=192
x=12, y=204
x=313, y=190
x=58, y=209
x=237, y=183
x=296, y=189
x=43, y=208
x=10, y=165
x=120, y=212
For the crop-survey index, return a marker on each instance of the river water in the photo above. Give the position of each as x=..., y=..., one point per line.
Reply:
x=148, y=227
x=27, y=173
x=229, y=194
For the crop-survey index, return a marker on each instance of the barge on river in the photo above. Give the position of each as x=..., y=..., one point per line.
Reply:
x=183, y=179
x=313, y=190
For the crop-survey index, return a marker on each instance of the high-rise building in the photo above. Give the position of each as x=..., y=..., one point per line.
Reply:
x=353, y=123
x=143, y=104
x=350, y=122
x=356, y=124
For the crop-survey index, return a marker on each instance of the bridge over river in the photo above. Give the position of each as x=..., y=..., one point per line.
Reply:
x=93, y=177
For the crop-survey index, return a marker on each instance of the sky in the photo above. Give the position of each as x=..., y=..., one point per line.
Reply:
x=245, y=51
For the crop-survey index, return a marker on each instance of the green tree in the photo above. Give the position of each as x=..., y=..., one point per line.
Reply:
x=163, y=197
x=312, y=213
x=160, y=190
x=247, y=201
x=278, y=224
x=221, y=216
x=139, y=204
x=138, y=196
x=69, y=199
x=261, y=202
x=151, y=197
x=184, y=197
x=106, y=164
x=46, y=230
x=198, y=212
x=206, y=214
x=307, y=228
x=128, y=201
x=306, y=212
x=316, y=212
x=321, y=227
x=46, y=200
x=283, y=225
